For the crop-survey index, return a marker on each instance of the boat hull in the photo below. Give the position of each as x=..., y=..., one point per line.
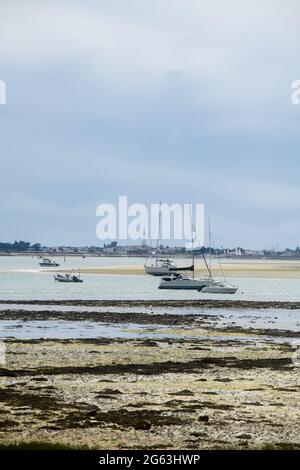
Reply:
x=158, y=270
x=48, y=265
x=66, y=279
x=219, y=289
x=187, y=284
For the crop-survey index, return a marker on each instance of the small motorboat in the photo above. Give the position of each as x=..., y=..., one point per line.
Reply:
x=68, y=277
x=48, y=263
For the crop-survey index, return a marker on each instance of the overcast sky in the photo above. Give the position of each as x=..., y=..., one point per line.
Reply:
x=161, y=100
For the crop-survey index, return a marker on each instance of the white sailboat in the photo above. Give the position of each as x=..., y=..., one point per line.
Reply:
x=159, y=266
x=179, y=281
x=217, y=287
x=207, y=285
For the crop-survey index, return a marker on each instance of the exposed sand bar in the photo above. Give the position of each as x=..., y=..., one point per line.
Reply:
x=258, y=268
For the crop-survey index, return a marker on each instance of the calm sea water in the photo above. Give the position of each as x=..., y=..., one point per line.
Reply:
x=21, y=278
x=83, y=330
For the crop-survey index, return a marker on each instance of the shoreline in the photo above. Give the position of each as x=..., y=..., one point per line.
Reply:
x=83, y=254
x=202, y=303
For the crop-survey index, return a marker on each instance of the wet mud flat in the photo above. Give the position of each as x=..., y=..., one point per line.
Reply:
x=189, y=392
x=202, y=303
x=199, y=322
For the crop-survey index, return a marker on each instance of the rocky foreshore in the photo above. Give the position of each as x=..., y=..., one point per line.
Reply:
x=196, y=388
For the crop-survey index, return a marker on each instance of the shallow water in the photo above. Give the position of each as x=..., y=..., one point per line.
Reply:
x=21, y=278
x=14, y=329
x=280, y=319
x=64, y=330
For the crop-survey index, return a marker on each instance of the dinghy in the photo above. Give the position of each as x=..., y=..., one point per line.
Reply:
x=68, y=277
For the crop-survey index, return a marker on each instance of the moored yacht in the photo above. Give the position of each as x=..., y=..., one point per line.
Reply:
x=160, y=267
x=219, y=287
x=180, y=281
x=157, y=266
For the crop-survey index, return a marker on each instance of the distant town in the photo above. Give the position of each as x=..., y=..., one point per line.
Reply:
x=142, y=249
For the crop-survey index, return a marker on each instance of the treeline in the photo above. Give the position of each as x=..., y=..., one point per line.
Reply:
x=19, y=246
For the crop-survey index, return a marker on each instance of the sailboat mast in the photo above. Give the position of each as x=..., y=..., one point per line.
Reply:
x=209, y=236
x=193, y=253
x=193, y=231
x=203, y=255
x=158, y=235
x=207, y=267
